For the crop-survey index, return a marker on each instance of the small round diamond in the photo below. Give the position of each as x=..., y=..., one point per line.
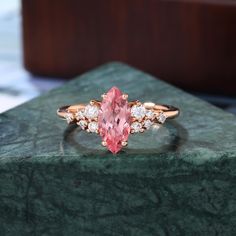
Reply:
x=162, y=118
x=83, y=124
x=138, y=111
x=93, y=127
x=136, y=127
x=79, y=115
x=150, y=114
x=69, y=117
x=147, y=124
x=91, y=111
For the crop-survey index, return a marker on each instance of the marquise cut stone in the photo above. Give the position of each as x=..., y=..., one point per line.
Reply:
x=114, y=120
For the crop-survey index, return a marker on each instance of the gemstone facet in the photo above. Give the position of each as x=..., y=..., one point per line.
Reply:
x=114, y=120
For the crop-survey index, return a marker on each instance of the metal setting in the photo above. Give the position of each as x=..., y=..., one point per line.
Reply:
x=143, y=116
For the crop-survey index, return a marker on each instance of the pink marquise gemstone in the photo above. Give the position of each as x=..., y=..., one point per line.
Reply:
x=114, y=120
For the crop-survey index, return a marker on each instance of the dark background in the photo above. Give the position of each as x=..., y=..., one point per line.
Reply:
x=188, y=43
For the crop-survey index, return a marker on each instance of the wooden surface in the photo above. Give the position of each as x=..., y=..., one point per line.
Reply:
x=188, y=43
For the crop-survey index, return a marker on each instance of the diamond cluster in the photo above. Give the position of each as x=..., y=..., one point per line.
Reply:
x=85, y=118
x=114, y=120
x=143, y=119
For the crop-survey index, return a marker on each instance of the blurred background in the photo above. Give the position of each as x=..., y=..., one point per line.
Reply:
x=189, y=43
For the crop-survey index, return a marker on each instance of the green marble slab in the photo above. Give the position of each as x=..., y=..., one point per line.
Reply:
x=179, y=179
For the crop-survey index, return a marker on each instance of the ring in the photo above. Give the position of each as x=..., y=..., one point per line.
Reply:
x=114, y=118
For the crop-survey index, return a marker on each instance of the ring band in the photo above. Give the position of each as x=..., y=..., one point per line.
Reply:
x=114, y=118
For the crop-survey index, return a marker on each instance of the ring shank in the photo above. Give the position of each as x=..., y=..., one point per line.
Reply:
x=62, y=111
x=169, y=111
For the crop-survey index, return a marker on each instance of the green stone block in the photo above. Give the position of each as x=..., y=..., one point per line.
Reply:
x=179, y=179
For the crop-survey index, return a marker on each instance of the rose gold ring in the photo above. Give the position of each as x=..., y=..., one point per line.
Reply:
x=114, y=118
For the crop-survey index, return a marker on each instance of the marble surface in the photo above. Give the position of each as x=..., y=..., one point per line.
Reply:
x=178, y=179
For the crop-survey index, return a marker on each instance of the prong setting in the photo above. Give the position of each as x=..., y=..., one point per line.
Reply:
x=141, y=130
x=125, y=96
x=104, y=143
x=92, y=102
x=124, y=143
x=104, y=96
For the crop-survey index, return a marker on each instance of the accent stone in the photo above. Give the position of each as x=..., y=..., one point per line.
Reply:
x=114, y=120
x=83, y=124
x=150, y=114
x=147, y=124
x=161, y=118
x=136, y=127
x=79, y=115
x=138, y=111
x=91, y=111
x=69, y=117
x=93, y=127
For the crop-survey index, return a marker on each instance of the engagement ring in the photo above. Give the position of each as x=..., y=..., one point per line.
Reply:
x=114, y=118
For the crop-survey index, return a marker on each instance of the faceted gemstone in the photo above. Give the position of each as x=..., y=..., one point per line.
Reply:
x=69, y=117
x=91, y=112
x=83, y=124
x=162, y=118
x=79, y=115
x=114, y=120
x=136, y=127
x=150, y=114
x=147, y=124
x=138, y=111
x=93, y=127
